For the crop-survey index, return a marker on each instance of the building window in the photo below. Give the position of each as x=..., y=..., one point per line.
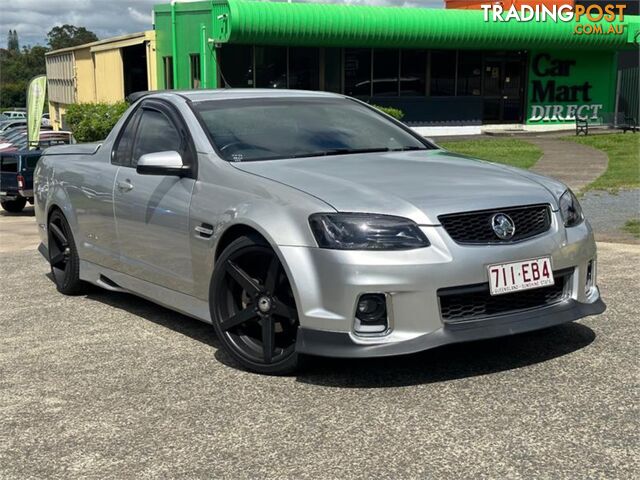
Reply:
x=386, y=66
x=469, y=73
x=357, y=72
x=304, y=68
x=271, y=67
x=236, y=65
x=194, y=62
x=413, y=67
x=443, y=73
x=167, y=63
x=333, y=70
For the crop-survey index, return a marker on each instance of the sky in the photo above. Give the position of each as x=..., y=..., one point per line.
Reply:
x=107, y=18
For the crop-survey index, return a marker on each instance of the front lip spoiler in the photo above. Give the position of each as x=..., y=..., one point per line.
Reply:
x=341, y=345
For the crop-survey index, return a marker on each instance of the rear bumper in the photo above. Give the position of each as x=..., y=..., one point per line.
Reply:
x=16, y=194
x=341, y=344
x=8, y=195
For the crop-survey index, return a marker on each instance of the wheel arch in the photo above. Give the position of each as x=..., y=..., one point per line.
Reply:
x=51, y=209
x=235, y=231
x=60, y=200
x=250, y=229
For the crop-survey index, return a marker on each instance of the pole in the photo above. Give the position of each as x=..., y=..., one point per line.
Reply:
x=203, y=57
x=174, y=44
x=214, y=52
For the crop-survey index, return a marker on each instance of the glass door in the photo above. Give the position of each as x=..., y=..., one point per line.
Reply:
x=492, y=90
x=503, y=88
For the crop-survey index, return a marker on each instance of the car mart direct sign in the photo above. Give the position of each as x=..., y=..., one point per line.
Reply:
x=564, y=86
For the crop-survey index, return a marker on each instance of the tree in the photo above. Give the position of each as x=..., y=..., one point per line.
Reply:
x=69, y=36
x=12, y=41
x=91, y=122
x=18, y=67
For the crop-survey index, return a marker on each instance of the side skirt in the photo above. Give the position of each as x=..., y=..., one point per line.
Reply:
x=120, y=282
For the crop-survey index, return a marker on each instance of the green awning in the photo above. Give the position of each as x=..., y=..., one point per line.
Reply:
x=339, y=25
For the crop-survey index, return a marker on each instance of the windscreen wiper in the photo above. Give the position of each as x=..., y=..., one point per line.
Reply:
x=406, y=149
x=341, y=151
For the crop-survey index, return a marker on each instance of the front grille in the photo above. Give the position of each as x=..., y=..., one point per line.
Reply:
x=473, y=302
x=475, y=227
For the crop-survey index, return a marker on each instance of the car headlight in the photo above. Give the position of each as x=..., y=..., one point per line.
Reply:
x=570, y=209
x=359, y=231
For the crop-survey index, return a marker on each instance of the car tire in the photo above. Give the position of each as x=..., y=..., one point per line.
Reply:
x=14, y=206
x=63, y=256
x=253, y=309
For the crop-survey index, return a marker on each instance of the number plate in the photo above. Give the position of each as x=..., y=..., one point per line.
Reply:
x=523, y=275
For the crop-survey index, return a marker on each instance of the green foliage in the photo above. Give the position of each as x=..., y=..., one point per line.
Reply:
x=17, y=68
x=69, y=36
x=91, y=122
x=393, y=112
x=633, y=227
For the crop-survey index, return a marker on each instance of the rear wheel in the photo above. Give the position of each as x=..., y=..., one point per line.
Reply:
x=253, y=309
x=63, y=255
x=14, y=206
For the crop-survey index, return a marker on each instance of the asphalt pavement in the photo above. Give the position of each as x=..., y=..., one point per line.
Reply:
x=109, y=386
x=608, y=212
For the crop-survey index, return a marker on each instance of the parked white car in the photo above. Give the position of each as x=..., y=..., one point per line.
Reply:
x=14, y=114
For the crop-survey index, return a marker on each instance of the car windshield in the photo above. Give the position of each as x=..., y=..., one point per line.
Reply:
x=276, y=128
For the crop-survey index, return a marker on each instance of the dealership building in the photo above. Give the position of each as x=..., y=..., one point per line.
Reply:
x=443, y=68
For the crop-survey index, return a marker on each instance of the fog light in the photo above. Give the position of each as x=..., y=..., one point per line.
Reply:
x=371, y=314
x=589, y=280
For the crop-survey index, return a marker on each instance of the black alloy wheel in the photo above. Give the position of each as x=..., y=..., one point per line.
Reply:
x=253, y=309
x=63, y=256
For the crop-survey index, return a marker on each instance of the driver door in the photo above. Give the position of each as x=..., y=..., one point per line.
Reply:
x=152, y=211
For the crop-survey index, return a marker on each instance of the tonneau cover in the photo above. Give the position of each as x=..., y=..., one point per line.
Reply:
x=76, y=149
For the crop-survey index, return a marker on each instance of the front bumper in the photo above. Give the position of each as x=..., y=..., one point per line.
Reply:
x=339, y=344
x=327, y=284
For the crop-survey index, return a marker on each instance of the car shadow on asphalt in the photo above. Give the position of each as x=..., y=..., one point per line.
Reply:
x=442, y=364
x=195, y=329
x=27, y=212
x=451, y=362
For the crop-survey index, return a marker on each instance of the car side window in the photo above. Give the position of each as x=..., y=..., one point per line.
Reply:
x=9, y=164
x=156, y=133
x=122, y=152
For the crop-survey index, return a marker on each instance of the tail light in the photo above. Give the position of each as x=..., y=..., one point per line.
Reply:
x=20, y=182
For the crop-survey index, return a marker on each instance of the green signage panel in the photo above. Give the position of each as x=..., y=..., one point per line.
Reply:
x=567, y=85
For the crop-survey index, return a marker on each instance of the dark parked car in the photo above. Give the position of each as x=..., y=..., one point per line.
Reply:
x=17, y=141
x=16, y=179
x=12, y=135
x=6, y=125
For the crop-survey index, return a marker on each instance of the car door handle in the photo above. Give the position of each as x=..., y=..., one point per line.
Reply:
x=124, y=186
